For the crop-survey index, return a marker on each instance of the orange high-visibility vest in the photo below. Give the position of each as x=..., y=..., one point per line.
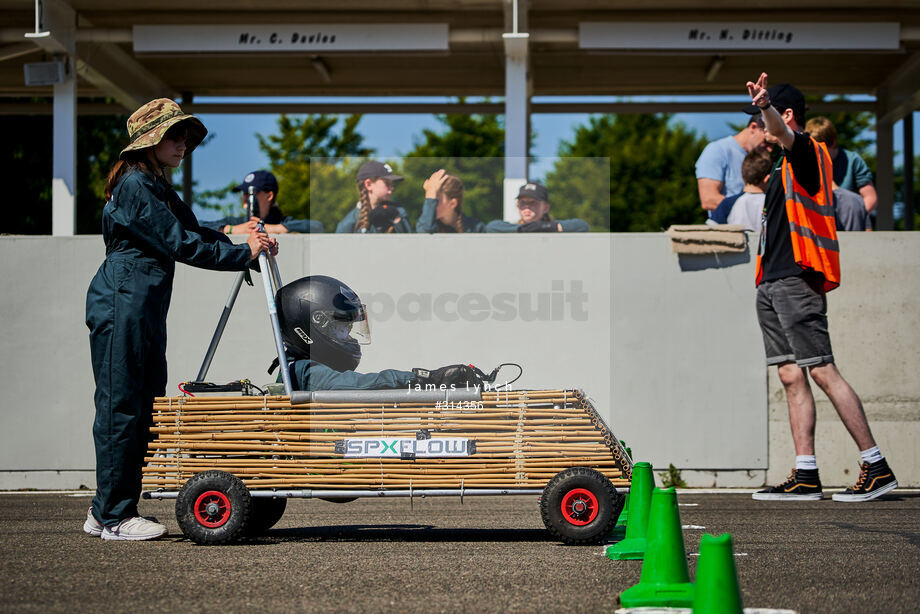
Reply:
x=812, y=223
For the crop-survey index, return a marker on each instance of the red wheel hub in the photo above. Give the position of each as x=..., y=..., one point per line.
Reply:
x=579, y=506
x=212, y=509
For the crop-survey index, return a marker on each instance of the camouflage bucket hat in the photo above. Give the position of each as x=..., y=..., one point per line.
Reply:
x=147, y=125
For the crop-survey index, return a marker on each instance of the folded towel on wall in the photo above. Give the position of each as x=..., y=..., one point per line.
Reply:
x=708, y=239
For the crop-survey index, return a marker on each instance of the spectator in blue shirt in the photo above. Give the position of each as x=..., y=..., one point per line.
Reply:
x=718, y=169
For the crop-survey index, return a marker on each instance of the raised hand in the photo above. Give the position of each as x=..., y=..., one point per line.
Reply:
x=758, y=91
x=433, y=184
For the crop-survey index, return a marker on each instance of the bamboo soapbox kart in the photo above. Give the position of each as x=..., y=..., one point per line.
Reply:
x=231, y=462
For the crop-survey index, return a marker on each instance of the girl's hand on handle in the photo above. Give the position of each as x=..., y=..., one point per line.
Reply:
x=261, y=242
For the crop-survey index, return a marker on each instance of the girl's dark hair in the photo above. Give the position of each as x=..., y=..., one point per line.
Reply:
x=137, y=158
x=364, y=213
x=130, y=160
x=453, y=188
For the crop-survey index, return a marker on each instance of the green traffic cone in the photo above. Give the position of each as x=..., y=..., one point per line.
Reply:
x=621, y=521
x=640, y=497
x=665, y=579
x=717, y=590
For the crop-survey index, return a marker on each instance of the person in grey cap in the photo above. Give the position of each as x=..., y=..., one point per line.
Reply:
x=266, y=195
x=374, y=212
x=533, y=205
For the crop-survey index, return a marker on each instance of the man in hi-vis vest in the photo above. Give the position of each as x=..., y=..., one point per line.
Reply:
x=797, y=264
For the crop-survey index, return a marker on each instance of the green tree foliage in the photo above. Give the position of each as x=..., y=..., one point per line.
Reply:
x=333, y=191
x=580, y=188
x=652, y=181
x=470, y=147
x=289, y=152
x=100, y=140
x=26, y=160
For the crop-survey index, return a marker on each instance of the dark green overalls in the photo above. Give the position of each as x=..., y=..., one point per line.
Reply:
x=146, y=228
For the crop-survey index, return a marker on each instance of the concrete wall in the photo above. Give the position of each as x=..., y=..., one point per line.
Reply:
x=668, y=347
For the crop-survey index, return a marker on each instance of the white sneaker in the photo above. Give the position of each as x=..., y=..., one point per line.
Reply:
x=134, y=529
x=92, y=526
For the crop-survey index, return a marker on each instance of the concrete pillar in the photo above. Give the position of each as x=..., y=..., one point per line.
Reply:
x=64, y=163
x=59, y=23
x=884, y=146
x=517, y=104
x=909, y=171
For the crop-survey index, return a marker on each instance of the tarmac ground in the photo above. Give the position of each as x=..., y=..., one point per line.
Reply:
x=490, y=554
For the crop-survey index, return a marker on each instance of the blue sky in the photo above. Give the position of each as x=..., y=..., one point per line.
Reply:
x=233, y=150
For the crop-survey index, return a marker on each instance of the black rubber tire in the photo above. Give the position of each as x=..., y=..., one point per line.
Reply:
x=235, y=508
x=609, y=504
x=266, y=513
x=339, y=499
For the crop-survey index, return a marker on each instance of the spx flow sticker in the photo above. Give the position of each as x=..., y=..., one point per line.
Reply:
x=406, y=447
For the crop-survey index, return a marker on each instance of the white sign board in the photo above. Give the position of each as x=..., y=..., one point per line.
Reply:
x=405, y=447
x=312, y=38
x=739, y=36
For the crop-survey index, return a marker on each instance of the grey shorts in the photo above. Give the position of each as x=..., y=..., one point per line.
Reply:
x=793, y=319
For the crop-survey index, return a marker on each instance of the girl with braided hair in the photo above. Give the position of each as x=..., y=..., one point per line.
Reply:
x=374, y=211
x=443, y=207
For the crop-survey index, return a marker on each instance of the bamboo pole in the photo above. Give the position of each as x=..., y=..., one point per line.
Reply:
x=522, y=437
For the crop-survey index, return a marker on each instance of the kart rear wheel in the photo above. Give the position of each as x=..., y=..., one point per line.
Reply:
x=580, y=506
x=266, y=512
x=213, y=507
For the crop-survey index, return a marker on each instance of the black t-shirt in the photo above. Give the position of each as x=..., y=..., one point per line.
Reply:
x=776, y=252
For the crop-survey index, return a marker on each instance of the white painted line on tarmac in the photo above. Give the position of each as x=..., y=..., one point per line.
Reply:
x=748, y=491
x=692, y=527
x=688, y=505
x=736, y=554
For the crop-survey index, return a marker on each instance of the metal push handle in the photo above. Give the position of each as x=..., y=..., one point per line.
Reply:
x=268, y=268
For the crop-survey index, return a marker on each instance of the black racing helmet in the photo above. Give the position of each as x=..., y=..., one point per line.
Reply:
x=323, y=319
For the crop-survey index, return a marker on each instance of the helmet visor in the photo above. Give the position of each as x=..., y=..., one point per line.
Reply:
x=340, y=326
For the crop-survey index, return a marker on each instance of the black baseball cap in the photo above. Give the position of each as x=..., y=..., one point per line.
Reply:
x=373, y=169
x=782, y=96
x=262, y=181
x=534, y=190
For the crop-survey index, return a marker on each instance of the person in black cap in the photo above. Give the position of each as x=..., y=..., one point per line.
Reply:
x=266, y=193
x=533, y=205
x=798, y=263
x=442, y=210
x=374, y=212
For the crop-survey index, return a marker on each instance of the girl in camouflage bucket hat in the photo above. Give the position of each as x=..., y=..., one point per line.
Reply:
x=146, y=228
